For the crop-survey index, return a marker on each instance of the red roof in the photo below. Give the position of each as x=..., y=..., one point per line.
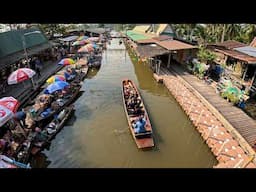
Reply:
x=175, y=45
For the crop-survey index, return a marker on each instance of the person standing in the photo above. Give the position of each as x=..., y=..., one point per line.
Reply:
x=38, y=67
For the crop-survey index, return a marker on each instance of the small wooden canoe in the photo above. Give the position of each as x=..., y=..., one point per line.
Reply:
x=37, y=147
x=143, y=140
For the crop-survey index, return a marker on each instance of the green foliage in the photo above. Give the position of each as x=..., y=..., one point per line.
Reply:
x=205, y=55
x=212, y=33
x=51, y=29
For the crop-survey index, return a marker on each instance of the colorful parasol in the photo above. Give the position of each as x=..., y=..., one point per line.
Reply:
x=20, y=75
x=82, y=38
x=55, y=78
x=66, y=61
x=59, y=85
x=86, y=48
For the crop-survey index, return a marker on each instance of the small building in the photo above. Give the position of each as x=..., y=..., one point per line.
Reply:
x=13, y=44
x=236, y=57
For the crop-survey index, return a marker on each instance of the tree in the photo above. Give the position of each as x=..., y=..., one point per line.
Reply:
x=206, y=55
x=51, y=29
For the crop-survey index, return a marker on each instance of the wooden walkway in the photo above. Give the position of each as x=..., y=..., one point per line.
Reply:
x=244, y=124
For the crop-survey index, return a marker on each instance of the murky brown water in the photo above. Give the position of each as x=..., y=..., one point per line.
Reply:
x=98, y=135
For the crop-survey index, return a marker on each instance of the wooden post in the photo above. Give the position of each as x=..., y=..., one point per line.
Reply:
x=169, y=60
x=197, y=122
x=252, y=80
x=245, y=72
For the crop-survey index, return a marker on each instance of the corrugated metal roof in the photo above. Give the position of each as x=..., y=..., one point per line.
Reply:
x=146, y=41
x=230, y=44
x=155, y=39
x=162, y=38
x=135, y=36
x=238, y=55
x=11, y=41
x=175, y=45
x=247, y=50
x=69, y=38
x=151, y=50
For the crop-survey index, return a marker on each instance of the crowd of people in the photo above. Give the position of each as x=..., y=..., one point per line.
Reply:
x=135, y=108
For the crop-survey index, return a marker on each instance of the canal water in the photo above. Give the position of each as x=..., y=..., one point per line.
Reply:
x=97, y=136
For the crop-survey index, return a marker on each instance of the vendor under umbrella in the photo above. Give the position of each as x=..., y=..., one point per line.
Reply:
x=20, y=116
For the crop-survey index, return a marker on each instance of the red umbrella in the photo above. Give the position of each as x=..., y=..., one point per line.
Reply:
x=20, y=75
x=10, y=103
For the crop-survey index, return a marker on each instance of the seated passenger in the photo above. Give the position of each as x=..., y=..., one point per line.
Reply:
x=139, y=126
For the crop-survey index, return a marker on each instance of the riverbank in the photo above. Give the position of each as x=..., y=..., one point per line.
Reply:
x=227, y=145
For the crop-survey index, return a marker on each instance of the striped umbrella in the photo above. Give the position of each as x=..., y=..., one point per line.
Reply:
x=55, y=78
x=5, y=115
x=66, y=61
x=20, y=75
x=10, y=103
x=86, y=48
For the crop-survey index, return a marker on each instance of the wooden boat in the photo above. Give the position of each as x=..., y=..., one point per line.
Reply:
x=143, y=140
x=66, y=103
x=58, y=125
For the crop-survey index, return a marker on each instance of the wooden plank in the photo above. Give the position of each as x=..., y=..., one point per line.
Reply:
x=241, y=140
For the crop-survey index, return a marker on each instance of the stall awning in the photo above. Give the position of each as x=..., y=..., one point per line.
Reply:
x=173, y=45
x=12, y=58
x=69, y=38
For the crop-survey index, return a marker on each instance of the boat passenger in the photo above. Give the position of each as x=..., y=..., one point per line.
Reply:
x=20, y=117
x=140, y=125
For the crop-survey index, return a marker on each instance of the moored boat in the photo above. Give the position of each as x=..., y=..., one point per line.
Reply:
x=144, y=139
x=52, y=129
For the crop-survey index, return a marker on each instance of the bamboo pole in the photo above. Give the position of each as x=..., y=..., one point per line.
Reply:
x=222, y=146
x=209, y=133
x=237, y=165
x=197, y=122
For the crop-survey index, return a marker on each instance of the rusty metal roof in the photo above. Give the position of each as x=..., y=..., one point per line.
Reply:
x=175, y=45
x=238, y=55
x=162, y=38
x=230, y=44
x=151, y=50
